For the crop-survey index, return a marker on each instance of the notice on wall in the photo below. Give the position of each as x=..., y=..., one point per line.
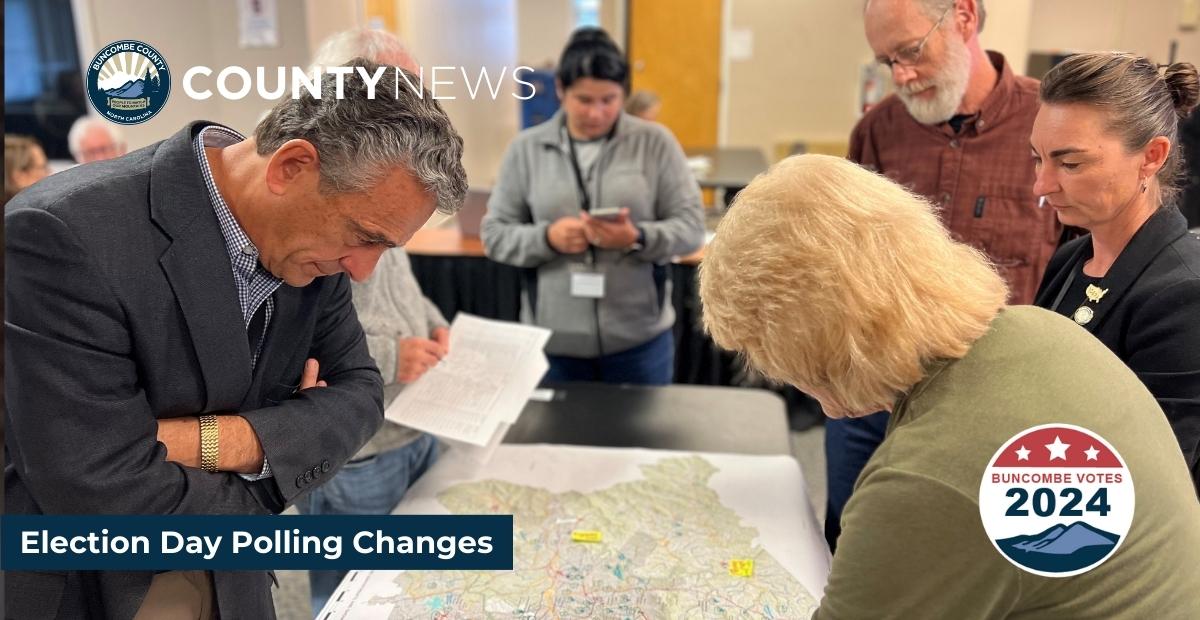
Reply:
x=740, y=44
x=258, y=23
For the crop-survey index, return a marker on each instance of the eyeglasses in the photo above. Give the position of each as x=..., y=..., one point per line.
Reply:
x=910, y=56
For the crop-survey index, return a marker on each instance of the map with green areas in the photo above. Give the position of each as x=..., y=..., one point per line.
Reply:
x=660, y=543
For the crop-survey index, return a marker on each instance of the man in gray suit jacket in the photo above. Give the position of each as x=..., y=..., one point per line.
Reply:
x=162, y=306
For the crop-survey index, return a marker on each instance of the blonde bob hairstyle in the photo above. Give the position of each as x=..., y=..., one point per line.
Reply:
x=842, y=283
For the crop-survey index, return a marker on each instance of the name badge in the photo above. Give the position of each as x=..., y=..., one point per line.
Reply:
x=587, y=284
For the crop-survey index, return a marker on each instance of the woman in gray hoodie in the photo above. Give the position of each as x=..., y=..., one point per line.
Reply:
x=596, y=203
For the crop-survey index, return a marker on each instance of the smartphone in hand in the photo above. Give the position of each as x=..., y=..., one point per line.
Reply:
x=607, y=214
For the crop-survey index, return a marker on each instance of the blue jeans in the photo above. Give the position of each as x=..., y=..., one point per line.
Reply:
x=649, y=363
x=849, y=444
x=371, y=486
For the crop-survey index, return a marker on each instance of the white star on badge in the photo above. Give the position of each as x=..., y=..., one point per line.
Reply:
x=1022, y=454
x=1091, y=453
x=1058, y=449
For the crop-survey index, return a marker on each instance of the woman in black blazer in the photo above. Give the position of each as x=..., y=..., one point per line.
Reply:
x=1105, y=145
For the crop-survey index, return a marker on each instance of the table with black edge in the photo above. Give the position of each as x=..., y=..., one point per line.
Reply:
x=732, y=168
x=691, y=418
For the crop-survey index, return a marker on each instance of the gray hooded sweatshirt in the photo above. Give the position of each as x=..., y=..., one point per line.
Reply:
x=641, y=167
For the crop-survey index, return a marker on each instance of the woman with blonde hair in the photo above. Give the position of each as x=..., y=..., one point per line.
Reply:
x=1106, y=152
x=845, y=285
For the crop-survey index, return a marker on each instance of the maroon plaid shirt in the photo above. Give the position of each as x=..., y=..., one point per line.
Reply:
x=980, y=179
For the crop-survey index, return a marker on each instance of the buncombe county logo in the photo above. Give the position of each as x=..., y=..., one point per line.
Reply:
x=128, y=82
x=1056, y=500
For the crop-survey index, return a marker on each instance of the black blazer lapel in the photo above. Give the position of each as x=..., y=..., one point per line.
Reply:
x=279, y=347
x=1162, y=229
x=1060, y=268
x=199, y=271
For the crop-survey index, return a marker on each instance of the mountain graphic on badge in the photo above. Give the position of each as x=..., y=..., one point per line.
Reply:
x=128, y=89
x=138, y=79
x=128, y=82
x=1060, y=549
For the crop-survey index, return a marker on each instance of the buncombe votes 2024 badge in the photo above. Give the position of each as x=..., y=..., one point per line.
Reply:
x=128, y=82
x=1056, y=500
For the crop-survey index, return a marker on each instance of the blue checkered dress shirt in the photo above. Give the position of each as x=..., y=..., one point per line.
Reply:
x=254, y=283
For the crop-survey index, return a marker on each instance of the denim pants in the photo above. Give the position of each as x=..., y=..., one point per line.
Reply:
x=649, y=363
x=371, y=486
x=849, y=444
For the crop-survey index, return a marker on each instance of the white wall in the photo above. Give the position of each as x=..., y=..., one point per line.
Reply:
x=542, y=30
x=325, y=17
x=189, y=33
x=802, y=81
x=471, y=34
x=1144, y=27
x=1007, y=30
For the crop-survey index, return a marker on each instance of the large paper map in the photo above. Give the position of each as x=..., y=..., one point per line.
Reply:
x=681, y=535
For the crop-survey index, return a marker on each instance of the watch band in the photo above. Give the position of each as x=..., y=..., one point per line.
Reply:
x=210, y=443
x=640, y=243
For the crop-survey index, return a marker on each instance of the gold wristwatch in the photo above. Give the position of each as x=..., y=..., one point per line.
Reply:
x=210, y=442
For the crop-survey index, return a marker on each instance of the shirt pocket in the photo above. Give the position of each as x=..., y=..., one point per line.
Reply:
x=1008, y=226
x=627, y=186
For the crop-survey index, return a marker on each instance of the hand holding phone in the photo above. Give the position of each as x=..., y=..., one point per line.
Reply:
x=608, y=214
x=610, y=229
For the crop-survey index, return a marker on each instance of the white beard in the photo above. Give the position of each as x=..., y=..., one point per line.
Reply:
x=950, y=84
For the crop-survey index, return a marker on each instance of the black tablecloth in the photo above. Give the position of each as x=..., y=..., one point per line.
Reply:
x=674, y=417
x=491, y=290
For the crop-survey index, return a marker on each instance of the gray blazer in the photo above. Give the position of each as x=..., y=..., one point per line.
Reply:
x=122, y=310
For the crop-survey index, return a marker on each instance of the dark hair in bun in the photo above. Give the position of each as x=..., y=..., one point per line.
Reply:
x=591, y=53
x=1184, y=85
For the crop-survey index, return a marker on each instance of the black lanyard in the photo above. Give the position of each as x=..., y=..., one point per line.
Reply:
x=1066, y=287
x=585, y=200
x=1062, y=292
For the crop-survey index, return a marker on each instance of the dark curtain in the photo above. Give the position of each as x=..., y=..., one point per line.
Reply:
x=491, y=290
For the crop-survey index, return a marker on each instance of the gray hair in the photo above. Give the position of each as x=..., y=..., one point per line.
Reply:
x=933, y=9
x=81, y=127
x=379, y=46
x=1141, y=103
x=359, y=140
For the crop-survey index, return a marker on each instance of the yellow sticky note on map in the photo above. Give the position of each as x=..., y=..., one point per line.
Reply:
x=585, y=536
x=741, y=568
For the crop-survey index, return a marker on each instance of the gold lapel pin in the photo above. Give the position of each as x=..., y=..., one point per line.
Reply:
x=1095, y=293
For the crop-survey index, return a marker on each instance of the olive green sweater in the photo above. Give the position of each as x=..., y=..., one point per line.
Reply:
x=913, y=544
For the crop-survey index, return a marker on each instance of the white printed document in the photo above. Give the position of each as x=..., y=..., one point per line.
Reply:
x=480, y=387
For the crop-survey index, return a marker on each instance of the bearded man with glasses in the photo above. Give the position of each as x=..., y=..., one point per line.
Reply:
x=957, y=132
